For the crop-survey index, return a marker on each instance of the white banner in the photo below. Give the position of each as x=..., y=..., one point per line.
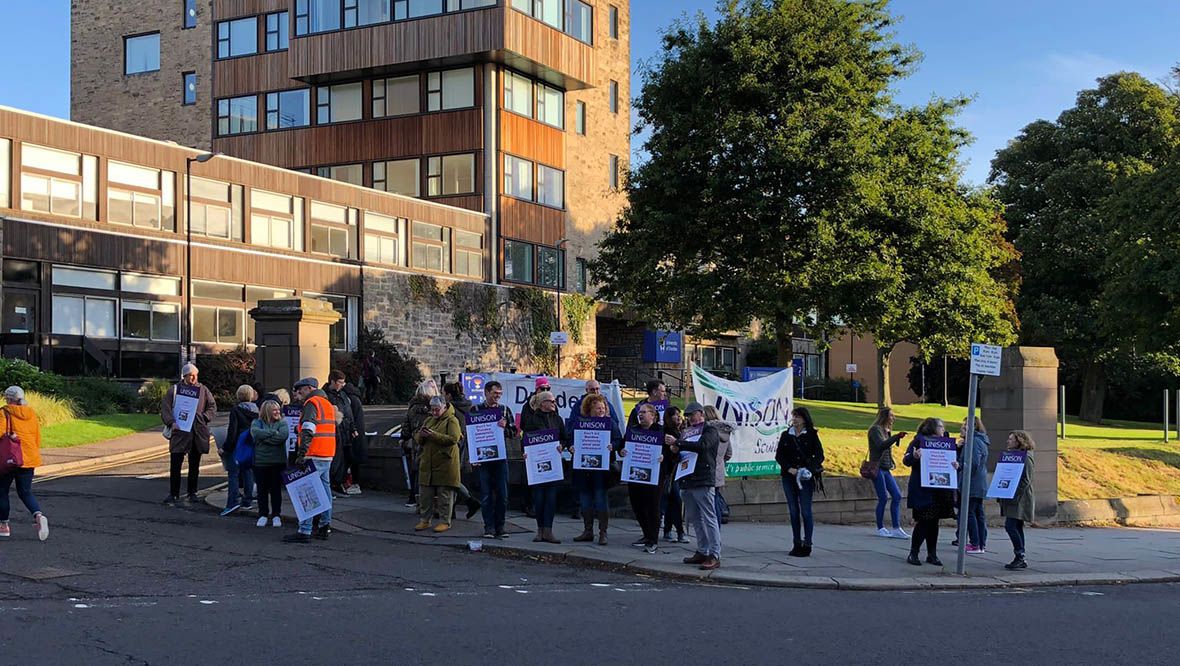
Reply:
x=759, y=410
x=518, y=388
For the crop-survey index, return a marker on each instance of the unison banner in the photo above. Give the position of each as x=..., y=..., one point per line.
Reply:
x=759, y=410
x=518, y=388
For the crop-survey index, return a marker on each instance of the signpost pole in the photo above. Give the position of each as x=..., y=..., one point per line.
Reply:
x=965, y=474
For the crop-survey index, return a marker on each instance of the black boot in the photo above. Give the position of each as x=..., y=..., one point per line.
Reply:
x=1016, y=563
x=797, y=551
x=913, y=559
x=806, y=550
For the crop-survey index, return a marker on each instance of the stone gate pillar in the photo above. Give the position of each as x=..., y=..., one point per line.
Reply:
x=1024, y=397
x=292, y=339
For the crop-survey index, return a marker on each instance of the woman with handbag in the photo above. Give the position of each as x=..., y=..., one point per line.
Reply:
x=878, y=468
x=22, y=433
x=800, y=457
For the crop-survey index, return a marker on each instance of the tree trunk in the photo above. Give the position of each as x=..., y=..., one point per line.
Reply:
x=786, y=350
x=884, y=395
x=1093, y=392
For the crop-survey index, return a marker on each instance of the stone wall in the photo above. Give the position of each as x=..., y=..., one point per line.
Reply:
x=101, y=94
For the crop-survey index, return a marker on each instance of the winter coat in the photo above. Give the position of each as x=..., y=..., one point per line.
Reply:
x=26, y=426
x=981, y=442
x=705, y=473
x=416, y=414
x=240, y=418
x=1022, y=506
x=576, y=408
x=438, y=464
x=929, y=502
x=881, y=443
x=799, y=451
x=270, y=441
x=724, y=450
x=510, y=429
x=539, y=420
x=198, y=438
x=360, y=449
x=347, y=422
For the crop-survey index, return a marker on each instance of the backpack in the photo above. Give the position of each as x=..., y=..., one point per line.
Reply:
x=244, y=451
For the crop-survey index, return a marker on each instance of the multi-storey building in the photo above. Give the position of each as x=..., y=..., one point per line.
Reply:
x=513, y=109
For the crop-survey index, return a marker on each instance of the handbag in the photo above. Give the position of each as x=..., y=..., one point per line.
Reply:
x=869, y=469
x=11, y=455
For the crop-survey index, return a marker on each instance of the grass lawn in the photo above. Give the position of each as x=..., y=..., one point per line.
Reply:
x=95, y=429
x=1117, y=459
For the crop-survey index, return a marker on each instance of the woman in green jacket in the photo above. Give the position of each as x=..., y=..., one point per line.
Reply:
x=1021, y=508
x=270, y=433
x=438, y=464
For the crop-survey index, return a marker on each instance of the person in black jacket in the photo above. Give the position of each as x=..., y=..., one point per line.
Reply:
x=493, y=476
x=345, y=428
x=358, y=452
x=240, y=490
x=544, y=416
x=700, y=507
x=800, y=458
x=928, y=504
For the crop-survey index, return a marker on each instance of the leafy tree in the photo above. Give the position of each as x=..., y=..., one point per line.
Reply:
x=1055, y=179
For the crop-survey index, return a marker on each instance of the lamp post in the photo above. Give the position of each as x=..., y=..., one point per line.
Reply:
x=560, y=279
x=188, y=250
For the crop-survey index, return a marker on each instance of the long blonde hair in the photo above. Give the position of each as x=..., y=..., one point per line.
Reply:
x=883, y=415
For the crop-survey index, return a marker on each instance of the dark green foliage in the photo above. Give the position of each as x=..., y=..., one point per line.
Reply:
x=400, y=374
x=224, y=372
x=99, y=395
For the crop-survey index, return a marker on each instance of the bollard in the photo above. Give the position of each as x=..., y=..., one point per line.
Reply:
x=1166, y=428
x=1062, y=401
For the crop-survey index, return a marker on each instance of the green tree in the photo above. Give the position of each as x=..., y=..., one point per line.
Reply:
x=1055, y=179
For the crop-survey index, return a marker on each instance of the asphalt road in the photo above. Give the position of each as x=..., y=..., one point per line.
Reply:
x=125, y=580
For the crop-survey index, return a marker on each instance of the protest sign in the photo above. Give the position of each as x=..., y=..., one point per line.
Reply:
x=938, y=463
x=1009, y=470
x=759, y=410
x=292, y=414
x=485, y=437
x=661, y=406
x=641, y=464
x=688, y=459
x=518, y=388
x=306, y=490
x=184, y=407
x=542, y=457
x=592, y=443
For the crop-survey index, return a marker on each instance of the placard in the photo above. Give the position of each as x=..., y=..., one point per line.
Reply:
x=661, y=407
x=592, y=443
x=542, y=456
x=938, y=458
x=306, y=490
x=184, y=407
x=692, y=433
x=485, y=437
x=687, y=464
x=292, y=414
x=641, y=464
x=1009, y=471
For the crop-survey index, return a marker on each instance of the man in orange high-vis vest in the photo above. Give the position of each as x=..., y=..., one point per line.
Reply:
x=317, y=443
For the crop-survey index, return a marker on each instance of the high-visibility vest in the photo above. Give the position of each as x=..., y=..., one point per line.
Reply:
x=323, y=442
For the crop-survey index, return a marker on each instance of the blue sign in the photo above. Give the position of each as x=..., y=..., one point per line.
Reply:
x=473, y=386
x=662, y=346
x=797, y=366
x=750, y=373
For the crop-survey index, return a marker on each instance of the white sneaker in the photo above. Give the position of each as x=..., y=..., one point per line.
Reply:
x=262, y=521
x=884, y=533
x=276, y=522
x=42, y=526
x=354, y=489
x=900, y=533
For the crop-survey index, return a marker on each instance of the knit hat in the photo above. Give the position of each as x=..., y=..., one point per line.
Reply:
x=541, y=381
x=188, y=369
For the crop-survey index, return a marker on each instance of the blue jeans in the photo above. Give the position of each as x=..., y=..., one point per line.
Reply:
x=234, y=472
x=592, y=491
x=493, y=494
x=1015, y=529
x=886, y=487
x=976, y=522
x=545, y=504
x=799, y=502
x=24, y=490
x=323, y=469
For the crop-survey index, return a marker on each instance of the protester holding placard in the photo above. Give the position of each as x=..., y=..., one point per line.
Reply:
x=593, y=447
x=416, y=414
x=800, y=457
x=1022, y=507
x=644, y=492
x=543, y=416
x=881, y=443
x=699, y=490
x=724, y=453
x=438, y=465
x=973, y=511
x=493, y=475
x=670, y=500
x=186, y=410
x=270, y=432
x=316, y=444
x=657, y=396
x=928, y=504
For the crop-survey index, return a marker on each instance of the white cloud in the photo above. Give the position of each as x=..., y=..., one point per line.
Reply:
x=1080, y=70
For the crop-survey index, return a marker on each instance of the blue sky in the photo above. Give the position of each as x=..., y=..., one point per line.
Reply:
x=1021, y=59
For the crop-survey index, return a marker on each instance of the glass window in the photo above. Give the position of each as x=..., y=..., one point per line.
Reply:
x=151, y=321
x=518, y=94
x=136, y=176
x=381, y=223
x=518, y=177
x=468, y=254
x=518, y=261
x=425, y=8
x=190, y=14
x=151, y=284
x=453, y=89
x=458, y=174
x=381, y=249
x=321, y=15
x=329, y=240
x=255, y=294
x=550, y=106
x=398, y=176
x=396, y=97
x=429, y=249
x=550, y=186
x=581, y=277
x=218, y=291
x=345, y=173
x=237, y=115
x=50, y=195
x=613, y=18
x=280, y=222
x=68, y=314
x=709, y=357
x=5, y=173
x=579, y=22
x=216, y=209
x=365, y=12
x=271, y=231
x=549, y=267
x=83, y=278
x=100, y=318
x=580, y=118
x=338, y=335
x=49, y=159
x=154, y=209
x=141, y=54
x=24, y=272
x=238, y=37
x=614, y=172
x=77, y=315
x=277, y=31
x=337, y=104
x=188, y=88
x=217, y=325
x=614, y=96
x=548, y=11
x=288, y=109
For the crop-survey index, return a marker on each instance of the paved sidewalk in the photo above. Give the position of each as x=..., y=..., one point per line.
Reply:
x=850, y=558
x=120, y=450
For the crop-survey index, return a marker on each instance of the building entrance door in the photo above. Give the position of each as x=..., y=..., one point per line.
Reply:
x=18, y=325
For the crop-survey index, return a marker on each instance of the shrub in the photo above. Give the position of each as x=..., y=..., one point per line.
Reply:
x=400, y=375
x=15, y=372
x=51, y=410
x=98, y=395
x=224, y=372
x=833, y=389
x=152, y=394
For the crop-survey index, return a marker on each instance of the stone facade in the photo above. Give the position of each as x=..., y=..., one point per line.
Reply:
x=101, y=94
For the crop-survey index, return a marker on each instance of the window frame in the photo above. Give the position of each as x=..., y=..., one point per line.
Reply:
x=467, y=253
x=615, y=180
x=531, y=254
x=281, y=32
x=165, y=189
x=188, y=11
x=580, y=118
x=326, y=107
x=85, y=180
x=612, y=21
x=384, y=97
x=218, y=310
x=294, y=216
x=278, y=96
x=581, y=275
x=511, y=172
x=613, y=96
x=384, y=178
x=185, y=100
x=127, y=40
x=235, y=206
x=434, y=91
x=442, y=246
x=227, y=117
x=541, y=251
x=432, y=176
x=379, y=235
x=333, y=227
x=228, y=40
x=151, y=307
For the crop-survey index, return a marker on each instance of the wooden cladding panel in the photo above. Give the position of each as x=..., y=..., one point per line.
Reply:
x=387, y=138
x=550, y=48
x=85, y=247
x=275, y=271
x=437, y=37
x=227, y=9
x=531, y=222
x=249, y=75
x=527, y=138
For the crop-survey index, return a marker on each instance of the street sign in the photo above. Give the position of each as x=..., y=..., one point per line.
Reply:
x=985, y=360
x=850, y=368
x=560, y=338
